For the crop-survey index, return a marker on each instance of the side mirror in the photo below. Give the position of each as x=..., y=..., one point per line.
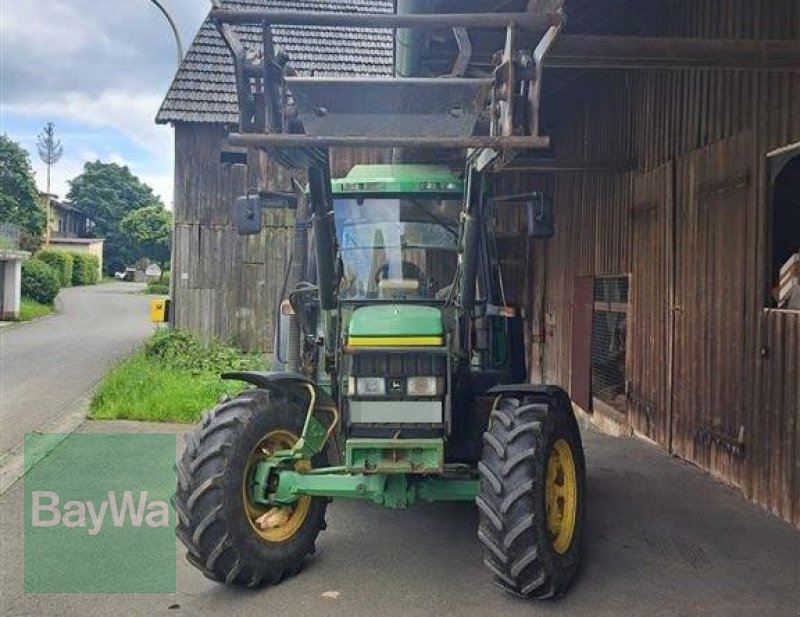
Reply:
x=247, y=210
x=541, y=221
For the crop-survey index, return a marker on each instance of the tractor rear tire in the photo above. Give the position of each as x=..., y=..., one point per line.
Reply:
x=215, y=516
x=532, y=471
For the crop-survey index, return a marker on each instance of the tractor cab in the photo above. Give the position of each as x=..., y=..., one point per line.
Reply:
x=397, y=231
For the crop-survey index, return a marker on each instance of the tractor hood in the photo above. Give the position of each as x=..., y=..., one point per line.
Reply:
x=396, y=325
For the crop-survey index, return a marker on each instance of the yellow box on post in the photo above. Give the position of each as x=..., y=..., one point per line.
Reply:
x=159, y=310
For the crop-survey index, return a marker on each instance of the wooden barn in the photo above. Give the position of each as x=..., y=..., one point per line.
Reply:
x=677, y=202
x=675, y=177
x=225, y=286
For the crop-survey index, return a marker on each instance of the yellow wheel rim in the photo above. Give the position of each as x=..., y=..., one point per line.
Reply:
x=276, y=524
x=561, y=496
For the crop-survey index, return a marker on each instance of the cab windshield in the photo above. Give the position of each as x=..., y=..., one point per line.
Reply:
x=400, y=248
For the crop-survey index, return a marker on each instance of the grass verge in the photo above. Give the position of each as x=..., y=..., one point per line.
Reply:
x=31, y=309
x=172, y=378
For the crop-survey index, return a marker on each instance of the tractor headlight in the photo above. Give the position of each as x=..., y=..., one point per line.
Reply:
x=371, y=386
x=422, y=386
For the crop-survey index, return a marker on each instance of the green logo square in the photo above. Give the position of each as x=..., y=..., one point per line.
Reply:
x=98, y=515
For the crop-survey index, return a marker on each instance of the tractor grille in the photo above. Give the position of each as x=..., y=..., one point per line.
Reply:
x=398, y=365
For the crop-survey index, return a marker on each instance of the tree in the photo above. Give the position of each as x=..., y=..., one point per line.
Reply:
x=107, y=193
x=19, y=199
x=50, y=151
x=147, y=231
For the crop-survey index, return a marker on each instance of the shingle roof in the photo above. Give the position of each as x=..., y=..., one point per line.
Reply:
x=204, y=88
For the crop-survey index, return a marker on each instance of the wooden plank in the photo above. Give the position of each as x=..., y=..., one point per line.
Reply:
x=716, y=51
x=648, y=398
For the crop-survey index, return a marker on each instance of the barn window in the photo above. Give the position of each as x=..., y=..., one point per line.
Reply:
x=785, y=231
x=610, y=340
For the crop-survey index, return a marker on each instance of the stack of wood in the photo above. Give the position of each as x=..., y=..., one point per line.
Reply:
x=789, y=284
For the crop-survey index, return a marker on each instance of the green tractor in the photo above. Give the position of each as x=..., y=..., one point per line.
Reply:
x=409, y=384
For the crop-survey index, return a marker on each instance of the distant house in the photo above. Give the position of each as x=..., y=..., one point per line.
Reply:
x=69, y=229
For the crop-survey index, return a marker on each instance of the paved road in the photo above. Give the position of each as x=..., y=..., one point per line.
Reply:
x=663, y=540
x=48, y=366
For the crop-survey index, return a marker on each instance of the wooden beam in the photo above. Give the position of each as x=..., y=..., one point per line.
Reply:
x=563, y=166
x=283, y=140
x=483, y=21
x=625, y=52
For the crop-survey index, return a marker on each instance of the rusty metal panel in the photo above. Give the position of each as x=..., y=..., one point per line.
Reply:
x=582, y=310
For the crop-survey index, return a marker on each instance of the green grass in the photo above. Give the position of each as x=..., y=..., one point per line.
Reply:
x=172, y=378
x=31, y=309
x=140, y=389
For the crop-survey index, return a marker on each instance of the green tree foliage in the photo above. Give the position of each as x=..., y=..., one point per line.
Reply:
x=19, y=199
x=61, y=261
x=107, y=193
x=147, y=231
x=40, y=282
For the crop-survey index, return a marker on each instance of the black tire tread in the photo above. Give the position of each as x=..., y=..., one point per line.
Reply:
x=512, y=474
x=200, y=501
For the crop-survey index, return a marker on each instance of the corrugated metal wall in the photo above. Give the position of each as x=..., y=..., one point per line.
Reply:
x=712, y=376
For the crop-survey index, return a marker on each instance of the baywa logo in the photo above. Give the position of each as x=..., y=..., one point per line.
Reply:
x=100, y=503
x=90, y=516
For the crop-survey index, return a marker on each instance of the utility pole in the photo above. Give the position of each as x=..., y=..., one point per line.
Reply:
x=179, y=44
x=50, y=151
x=174, y=27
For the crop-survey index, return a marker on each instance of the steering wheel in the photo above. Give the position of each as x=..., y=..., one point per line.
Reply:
x=410, y=271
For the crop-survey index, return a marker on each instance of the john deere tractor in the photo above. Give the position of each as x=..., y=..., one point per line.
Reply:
x=409, y=382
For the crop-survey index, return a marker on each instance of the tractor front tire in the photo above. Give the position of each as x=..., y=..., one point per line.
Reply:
x=531, y=499
x=230, y=539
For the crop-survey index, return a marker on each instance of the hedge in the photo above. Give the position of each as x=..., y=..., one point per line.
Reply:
x=85, y=271
x=61, y=261
x=158, y=289
x=40, y=282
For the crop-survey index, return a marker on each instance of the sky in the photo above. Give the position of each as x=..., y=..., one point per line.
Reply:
x=97, y=69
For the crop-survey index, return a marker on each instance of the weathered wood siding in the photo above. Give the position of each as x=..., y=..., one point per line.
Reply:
x=712, y=376
x=225, y=285
x=228, y=286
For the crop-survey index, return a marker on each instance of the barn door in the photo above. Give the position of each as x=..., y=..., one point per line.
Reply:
x=651, y=290
x=715, y=278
